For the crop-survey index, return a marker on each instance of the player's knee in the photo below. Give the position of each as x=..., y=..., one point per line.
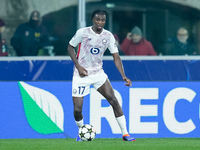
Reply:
x=111, y=97
x=113, y=102
x=77, y=110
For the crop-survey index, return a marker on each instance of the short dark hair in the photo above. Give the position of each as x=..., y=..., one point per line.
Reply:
x=98, y=11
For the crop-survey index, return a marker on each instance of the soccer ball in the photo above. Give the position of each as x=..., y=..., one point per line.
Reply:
x=87, y=132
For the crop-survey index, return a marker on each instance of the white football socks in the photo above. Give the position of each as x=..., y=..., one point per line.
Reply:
x=79, y=123
x=120, y=120
x=122, y=124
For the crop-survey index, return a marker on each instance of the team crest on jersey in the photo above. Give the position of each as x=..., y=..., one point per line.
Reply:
x=74, y=91
x=104, y=41
x=37, y=34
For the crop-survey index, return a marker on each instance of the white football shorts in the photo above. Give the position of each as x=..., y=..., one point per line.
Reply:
x=81, y=85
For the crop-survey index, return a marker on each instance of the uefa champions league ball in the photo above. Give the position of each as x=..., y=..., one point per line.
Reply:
x=87, y=132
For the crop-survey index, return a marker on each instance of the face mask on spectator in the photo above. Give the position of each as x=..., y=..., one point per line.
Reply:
x=34, y=23
x=182, y=39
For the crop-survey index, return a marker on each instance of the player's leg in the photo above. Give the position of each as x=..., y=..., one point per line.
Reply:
x=80, y=88
x=107, y=91
x=78, y=104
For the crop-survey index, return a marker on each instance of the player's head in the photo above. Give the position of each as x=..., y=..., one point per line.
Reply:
x=98, y=18
x=98, y=12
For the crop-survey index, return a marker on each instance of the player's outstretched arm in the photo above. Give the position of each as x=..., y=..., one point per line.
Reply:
x=119, y=65
x=82, y=71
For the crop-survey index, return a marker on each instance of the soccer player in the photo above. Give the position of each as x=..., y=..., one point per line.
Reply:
x=93, y=42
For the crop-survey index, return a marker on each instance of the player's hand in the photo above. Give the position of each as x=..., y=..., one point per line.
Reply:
x=129, y=36
x=82, y=71
x=128, y=81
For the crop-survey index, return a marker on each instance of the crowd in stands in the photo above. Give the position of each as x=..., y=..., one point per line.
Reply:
x=31, y=39
x=136, y=44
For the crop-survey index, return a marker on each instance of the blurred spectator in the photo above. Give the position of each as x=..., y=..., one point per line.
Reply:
x=181, y=44
x=30, y=37
x=135, y=44
x=107, y=52
x=3, y=46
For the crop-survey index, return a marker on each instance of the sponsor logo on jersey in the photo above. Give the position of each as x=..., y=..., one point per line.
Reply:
x=94, y=51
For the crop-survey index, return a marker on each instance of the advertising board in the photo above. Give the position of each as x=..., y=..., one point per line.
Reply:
x=152, y=109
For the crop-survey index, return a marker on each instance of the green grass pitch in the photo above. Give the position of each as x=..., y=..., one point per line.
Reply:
x=101, y=144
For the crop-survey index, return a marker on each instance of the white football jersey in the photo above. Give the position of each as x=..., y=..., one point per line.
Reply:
x=92, y=47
